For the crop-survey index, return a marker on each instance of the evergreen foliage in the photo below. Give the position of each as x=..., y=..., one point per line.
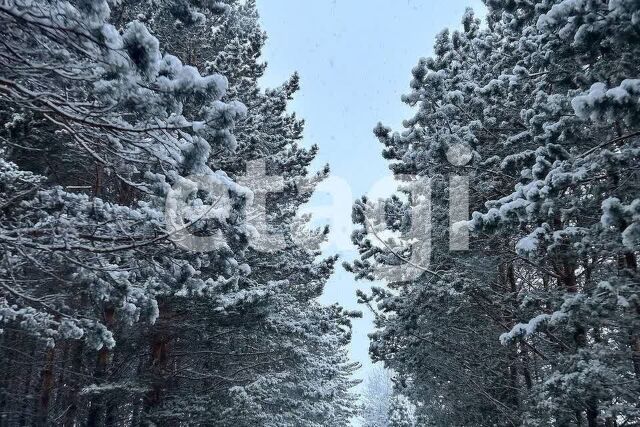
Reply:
x=107, y=319
x=537, y=324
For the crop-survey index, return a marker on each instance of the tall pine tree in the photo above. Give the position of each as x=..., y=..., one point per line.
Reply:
x=540, y=317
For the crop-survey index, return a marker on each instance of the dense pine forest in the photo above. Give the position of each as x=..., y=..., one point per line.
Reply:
x=106, y=319
x=157, y=267
x=538, y=323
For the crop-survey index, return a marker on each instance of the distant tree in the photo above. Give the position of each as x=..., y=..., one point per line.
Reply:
x=377, y=394
x=401, y=412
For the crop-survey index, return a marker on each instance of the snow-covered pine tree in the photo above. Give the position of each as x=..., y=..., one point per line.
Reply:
x=580, y=175
x=381, y=405
x=401, y=412
x=237, y=334
x=281, y=324
x=112, y=75
x=84, y=252
x=438, y=333
x=545, y=98
x=376, y=394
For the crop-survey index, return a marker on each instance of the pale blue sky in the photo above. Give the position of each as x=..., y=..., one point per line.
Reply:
x=354, y=58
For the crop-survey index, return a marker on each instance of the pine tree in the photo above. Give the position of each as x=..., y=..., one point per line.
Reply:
x=543, y=99
x=72, y=238
x=401, y=412
x=284, y=281
x=377, y=396
x=234, y=334
x=80, y=259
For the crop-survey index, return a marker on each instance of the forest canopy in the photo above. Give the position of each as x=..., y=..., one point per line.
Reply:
x=157, y=267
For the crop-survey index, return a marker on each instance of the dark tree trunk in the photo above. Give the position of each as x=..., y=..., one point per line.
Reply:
x=96, y=407
x=159, y=358
x=46, y=386
x=160, y=340
x=26, y=386
x=592, y=415
x=631, y=264
x=71, y=394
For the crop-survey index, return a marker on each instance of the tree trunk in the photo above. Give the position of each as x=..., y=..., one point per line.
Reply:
x=159, y=361
x=96, y=406
x=71, y=394
x=592, y=414
x=28, y=380
x=514, y=398
x=525, y=366
x=7, y=370
x=631, y=264
x=61, y=386
x=159, y=358
x=137, y=403
x=46, y=385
